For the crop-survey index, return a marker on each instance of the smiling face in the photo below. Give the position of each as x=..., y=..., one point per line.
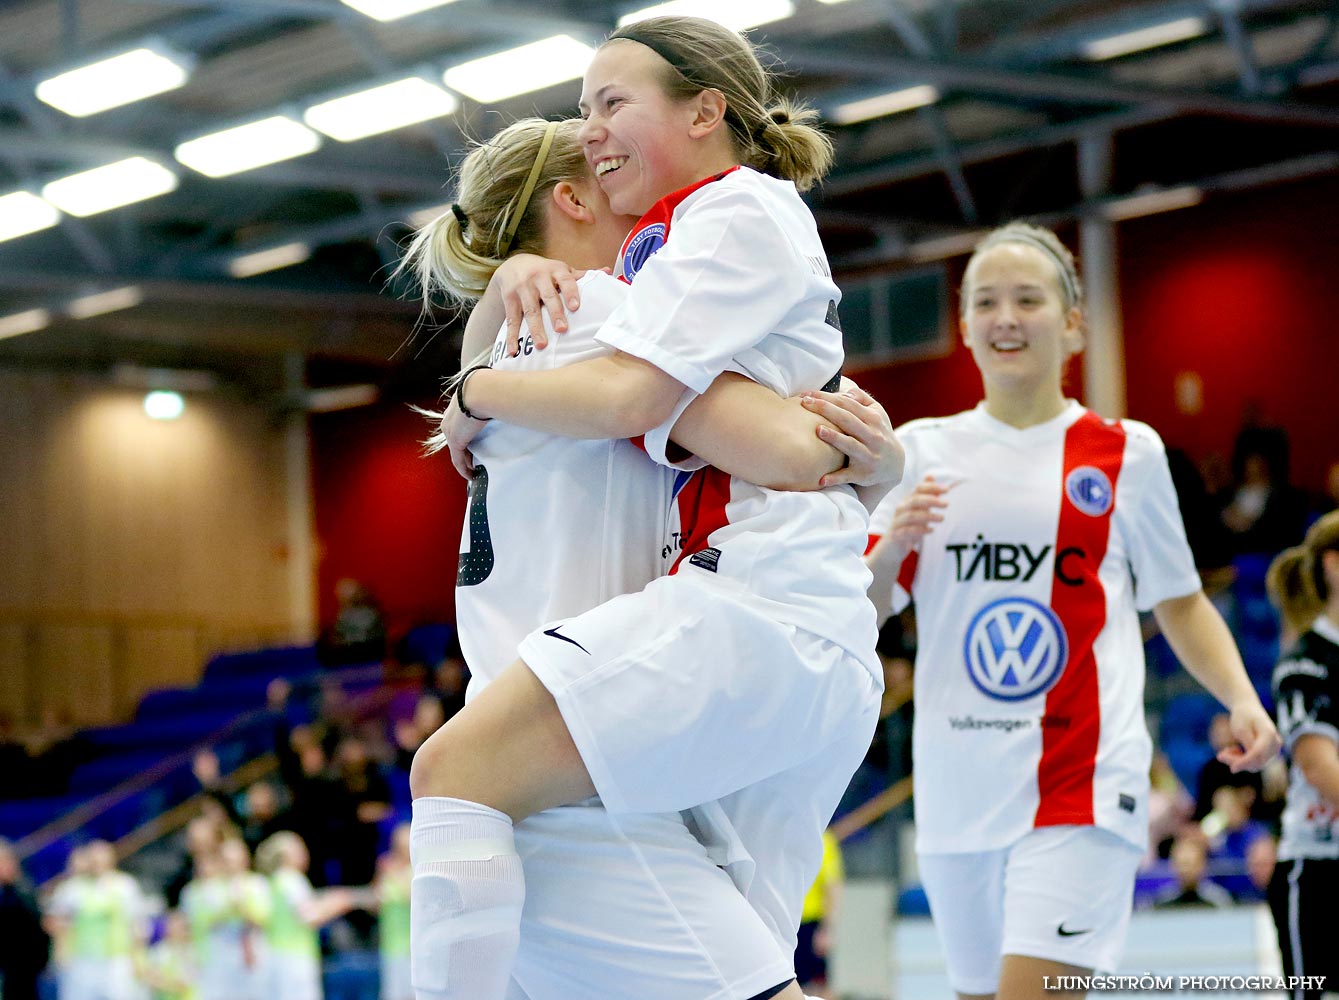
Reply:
x=1015, y=321
x=638, y=139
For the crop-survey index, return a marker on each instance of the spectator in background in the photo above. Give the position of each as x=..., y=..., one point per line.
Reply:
x=228, y=907
x=1189, y=859
x=24, y=945
x=394, y=874
x=203, y=836
x=449, y=680
x=1170, y=806
x=1209, y=539
x=818, y=919
x=261, y=815
x=15, y=763
x=56, y=750
x=1231, y=832
x=1305, y=885
x=170, y=970
x=305, y=770
x=1215, y=774
x=362, y=801
x=358, y=634
x=296, y=912
x=1266, y=513
x=97, y=919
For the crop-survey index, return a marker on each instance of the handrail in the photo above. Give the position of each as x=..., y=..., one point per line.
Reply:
x=876, y=808
x=47, y=835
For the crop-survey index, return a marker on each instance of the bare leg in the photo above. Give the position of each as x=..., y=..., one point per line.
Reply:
x=508, y=749
x=1023, y=978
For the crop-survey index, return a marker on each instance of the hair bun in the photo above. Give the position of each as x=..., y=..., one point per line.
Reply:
x=780, y=116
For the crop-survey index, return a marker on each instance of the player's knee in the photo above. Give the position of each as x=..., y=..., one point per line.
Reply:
x=429, y=774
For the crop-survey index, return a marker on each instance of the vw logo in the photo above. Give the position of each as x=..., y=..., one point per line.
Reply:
x=1089, y=489
x=640, y=248
x=1015, y=648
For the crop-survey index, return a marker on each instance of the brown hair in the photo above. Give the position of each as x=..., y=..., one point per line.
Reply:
x=1296, y=578
x=771, y=133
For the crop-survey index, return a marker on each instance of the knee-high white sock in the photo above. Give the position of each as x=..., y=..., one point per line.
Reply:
x=465, y=900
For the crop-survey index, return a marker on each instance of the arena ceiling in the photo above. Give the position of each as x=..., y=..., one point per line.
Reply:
x=1025, y=119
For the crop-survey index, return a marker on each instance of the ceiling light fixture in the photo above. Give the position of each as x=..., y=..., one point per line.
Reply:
x=269, y=260
x=22, y=213
x=121, y=79
x=246, y=147
x=104, y=188
x=164, y=404
x=882, y=105
x=380, y=109
x=737, y=15
x=105, y=302
x=1151, y=202
x=29, y=321
x=391, y=10
x=1114, y=46
x=520, y=70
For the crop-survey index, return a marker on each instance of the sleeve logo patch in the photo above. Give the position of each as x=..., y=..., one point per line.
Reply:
x=641, y=248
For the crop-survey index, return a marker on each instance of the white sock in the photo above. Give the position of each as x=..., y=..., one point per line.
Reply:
x=465, y=900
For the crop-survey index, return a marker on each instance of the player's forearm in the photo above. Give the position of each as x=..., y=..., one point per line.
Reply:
x=483, y=325
x=1201, y=641
x=885, y=562
x=609, y=397
x=749, y=431
x=1318, y=757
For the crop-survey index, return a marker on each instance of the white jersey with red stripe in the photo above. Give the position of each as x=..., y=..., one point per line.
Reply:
x=743, y=285
x=555, y=525
x=1030, y=667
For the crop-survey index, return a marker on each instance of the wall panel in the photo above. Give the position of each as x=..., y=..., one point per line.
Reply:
x=131, y=548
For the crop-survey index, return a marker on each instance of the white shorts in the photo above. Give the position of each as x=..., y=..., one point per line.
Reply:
x=682, y=694
x=634, y=906
x=1062, y=893
x=294, y=977
x=99, y=979
x=395, y=981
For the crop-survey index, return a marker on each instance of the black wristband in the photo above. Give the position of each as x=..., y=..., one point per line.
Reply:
x=460, y=392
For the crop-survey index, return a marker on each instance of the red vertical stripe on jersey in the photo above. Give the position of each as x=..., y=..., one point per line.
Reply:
x=906, y=573
x=701, y=510
x=1072, y=724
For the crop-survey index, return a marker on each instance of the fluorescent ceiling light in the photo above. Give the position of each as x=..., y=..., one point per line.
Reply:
x=105, y=302
x=268, y=260
x=340, y=397
x=1152, y=202
x=885, y=104
x=175, y=379
x=164, y=404
x=1145, y=38
x=380, y=109
x=105, y=188
x=736, y=15
x=390, y=10
x=521, y=70
x=24, y=322
x=109, y=83
x=22, y=213
x=248, y=146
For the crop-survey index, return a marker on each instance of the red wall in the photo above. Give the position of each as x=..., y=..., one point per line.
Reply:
x=385, y=515
x=1243, y=291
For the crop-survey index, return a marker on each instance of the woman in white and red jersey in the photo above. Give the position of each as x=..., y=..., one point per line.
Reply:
x=593, y=878
x=748, y=674
x=1029, y=531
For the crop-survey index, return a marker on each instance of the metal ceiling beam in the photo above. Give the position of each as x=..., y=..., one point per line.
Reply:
x=971, y=75
x=1248, y=69
x=1298, y=168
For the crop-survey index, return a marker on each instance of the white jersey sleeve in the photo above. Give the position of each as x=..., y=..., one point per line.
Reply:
x=744, y=266
x=1160, y=557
